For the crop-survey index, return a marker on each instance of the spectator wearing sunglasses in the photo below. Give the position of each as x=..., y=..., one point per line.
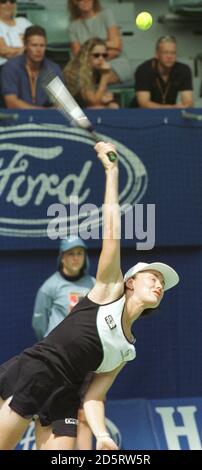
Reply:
x=160, y=80
x=88, y=75
x=89, y=20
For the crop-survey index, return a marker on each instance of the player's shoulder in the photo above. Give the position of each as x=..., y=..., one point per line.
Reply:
x=106, y=293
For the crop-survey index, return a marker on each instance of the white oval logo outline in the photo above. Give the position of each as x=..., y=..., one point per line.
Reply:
x=132, y=193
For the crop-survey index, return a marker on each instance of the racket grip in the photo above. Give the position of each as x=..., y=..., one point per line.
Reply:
x=112, y=156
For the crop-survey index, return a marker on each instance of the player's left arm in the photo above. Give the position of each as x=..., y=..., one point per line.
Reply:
x=94, y=405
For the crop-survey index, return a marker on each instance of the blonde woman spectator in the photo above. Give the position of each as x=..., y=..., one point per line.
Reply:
x=90, y=20
x=88, y=74
x=11, y=31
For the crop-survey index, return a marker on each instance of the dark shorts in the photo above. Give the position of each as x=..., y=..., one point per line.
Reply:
x=67, y=426
x=28, y=382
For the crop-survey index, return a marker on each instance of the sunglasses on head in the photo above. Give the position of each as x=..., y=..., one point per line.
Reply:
x=100, y=54
x=167, y=38
x=7, y=1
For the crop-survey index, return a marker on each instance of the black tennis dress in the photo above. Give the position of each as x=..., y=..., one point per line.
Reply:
x=45, y=379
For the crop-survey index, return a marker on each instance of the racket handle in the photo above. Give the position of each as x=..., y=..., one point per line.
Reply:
x=112, y=156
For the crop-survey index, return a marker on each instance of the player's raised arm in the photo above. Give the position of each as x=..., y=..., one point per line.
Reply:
x=109, y=273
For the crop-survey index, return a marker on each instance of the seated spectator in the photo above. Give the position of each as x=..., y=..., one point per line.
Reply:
x=21, y=76
x=90, y=20
x=11, y=33
x=159, y=80
x=88, y=74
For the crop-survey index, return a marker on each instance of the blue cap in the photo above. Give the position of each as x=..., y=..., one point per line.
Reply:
x=71, y=242
x=68, y=244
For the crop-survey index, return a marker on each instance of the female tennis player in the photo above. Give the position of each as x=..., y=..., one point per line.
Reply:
x=45, y=380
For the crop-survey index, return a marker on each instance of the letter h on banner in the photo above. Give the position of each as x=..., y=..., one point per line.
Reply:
x=188, y=429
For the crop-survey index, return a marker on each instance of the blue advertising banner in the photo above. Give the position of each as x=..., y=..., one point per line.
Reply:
x=172, y=424
x=43, y=162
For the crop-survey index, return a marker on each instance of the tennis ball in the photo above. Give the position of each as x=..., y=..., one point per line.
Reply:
x=144, y=20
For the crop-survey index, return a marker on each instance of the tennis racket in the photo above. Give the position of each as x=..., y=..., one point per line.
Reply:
x=59, y=95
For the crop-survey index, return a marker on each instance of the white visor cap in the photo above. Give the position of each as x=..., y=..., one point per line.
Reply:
x=170, y=276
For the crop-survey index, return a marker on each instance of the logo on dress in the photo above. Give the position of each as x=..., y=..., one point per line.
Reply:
x=71, y=421
x=110, y=322
x=128, y=354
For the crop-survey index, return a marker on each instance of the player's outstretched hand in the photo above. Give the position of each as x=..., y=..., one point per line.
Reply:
x=103, y=150
x=106, y=443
